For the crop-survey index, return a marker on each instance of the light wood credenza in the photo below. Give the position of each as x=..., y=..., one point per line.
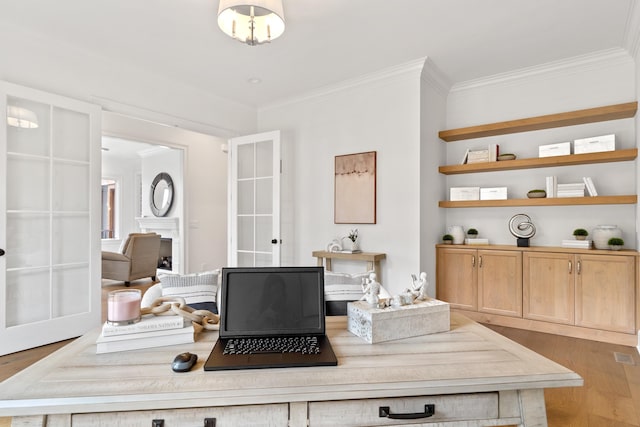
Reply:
x=472, y=375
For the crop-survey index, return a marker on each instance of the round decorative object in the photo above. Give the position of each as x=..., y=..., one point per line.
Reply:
x=161, y=197
x=602, y=233
x=506, y=156
x=537, y=194
x=521, y=226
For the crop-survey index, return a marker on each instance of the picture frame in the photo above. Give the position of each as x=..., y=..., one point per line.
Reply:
x=355, y=188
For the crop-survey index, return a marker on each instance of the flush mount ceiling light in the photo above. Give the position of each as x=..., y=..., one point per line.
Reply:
x=251, y=21
x=21, y=117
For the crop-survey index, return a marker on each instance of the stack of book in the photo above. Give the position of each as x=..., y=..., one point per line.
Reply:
x=150, y=331
x=489, y=154
x=570, y=190
x=581, y=244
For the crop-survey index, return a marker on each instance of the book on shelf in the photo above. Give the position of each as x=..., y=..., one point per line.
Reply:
x=591, y=189
x=570, y=190
x=551, y=186
x=465, y=157
x=147, y=323
x=348, y=251
x=142, y=340
x=581, y=244
x=489, y=154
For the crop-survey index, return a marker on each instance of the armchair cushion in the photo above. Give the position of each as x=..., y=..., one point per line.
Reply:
x=198, y=290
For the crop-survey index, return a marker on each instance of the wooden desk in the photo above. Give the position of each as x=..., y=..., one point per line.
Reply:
x=372, y=258
x=474, y=376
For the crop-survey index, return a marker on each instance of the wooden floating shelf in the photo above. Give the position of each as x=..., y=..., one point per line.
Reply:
x=590, y=115
x=542, y=162
x=556, y=201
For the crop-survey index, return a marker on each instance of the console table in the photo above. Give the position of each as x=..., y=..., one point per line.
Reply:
x=372, y=258
x=471, y=375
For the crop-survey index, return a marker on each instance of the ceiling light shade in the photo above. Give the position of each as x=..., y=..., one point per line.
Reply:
x=251, y=21
x=21, y=117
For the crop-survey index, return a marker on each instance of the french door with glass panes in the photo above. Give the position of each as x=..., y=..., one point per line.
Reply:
x=254, y=200
x=49, y=218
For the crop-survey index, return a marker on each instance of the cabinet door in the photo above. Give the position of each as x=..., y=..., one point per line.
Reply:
x=456, y=277
x=500, y=282
x=548, y=287
x=605, y=292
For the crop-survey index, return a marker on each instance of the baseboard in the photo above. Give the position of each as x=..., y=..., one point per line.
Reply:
x=628, y=339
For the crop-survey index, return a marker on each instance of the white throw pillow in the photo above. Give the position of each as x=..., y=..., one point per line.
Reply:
x=199, y=290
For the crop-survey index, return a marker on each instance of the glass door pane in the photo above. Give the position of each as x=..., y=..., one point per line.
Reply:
x=255, y=200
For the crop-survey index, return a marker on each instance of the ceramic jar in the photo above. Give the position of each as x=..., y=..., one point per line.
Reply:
x=458, y=234
x=602, y=233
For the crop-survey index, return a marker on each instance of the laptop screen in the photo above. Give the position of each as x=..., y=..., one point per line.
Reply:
x=267, y=301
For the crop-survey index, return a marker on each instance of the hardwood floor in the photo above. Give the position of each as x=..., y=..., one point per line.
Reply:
x=610, y=396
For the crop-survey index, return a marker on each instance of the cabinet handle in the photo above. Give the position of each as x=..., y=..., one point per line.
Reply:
x=2, y=252
x=157, y=423
x=578, y=267
x=473, y=260
x=385, y=412
x=480, y=261
x=570, y=267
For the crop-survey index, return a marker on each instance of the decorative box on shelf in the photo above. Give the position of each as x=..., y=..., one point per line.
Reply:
x=392, y=323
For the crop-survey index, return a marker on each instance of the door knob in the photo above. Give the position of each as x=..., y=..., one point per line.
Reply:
x=274, y=241
x=1, y=252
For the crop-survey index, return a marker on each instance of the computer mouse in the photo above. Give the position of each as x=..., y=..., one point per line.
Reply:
x=184, y=362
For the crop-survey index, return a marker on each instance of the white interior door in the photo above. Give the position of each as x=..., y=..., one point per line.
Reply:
x=254, y=200
x=49, y=218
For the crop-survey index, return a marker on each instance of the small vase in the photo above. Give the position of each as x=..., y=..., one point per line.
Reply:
x=458, y=234
x=602, y=233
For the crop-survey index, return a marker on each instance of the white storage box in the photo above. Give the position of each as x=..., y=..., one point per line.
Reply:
x=550, y=150
x=495, y=193
x=595, y=144
x=464, y=193
x=392, y=323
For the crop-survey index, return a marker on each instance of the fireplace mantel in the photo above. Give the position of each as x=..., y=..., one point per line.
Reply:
x=168, y=227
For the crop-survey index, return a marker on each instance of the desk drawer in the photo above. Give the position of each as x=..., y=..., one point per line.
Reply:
x=249, y=415
x=366, y=412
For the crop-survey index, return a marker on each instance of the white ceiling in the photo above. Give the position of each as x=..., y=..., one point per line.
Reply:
x=328, y=41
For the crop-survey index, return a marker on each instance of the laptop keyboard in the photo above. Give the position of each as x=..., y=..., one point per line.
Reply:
x=301, y=345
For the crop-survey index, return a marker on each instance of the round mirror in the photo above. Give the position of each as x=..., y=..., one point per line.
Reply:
x=161, y=196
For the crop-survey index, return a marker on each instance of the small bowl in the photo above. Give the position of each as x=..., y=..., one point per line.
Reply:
x=506, y=156
x=537, y=194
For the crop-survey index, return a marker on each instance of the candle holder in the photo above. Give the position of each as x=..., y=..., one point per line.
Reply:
x=123, y=307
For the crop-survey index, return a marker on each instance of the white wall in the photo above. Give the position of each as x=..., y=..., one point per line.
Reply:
x=377, y=113
x=578, y=83
x=434, y=91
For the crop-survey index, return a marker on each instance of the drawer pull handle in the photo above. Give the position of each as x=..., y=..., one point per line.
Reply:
x=157, y=423
x=385, y=412
x=209, y=422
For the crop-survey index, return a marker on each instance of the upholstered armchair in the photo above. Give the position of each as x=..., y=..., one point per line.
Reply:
x=138, y=258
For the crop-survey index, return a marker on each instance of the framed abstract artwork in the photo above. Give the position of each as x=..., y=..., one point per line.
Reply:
x=355, y=188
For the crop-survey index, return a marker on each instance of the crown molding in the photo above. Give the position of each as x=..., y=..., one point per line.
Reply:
x=595, y=60
x=435, y=78
x=632, y=30
x=400, y=70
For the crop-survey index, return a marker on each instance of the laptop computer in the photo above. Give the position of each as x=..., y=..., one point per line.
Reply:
x=271, y=302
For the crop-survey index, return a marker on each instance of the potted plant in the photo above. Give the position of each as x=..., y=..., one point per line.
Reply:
x=580, y=233
x=353, y=236
x=472, y=233
x=615, y=243
x=447, y=239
